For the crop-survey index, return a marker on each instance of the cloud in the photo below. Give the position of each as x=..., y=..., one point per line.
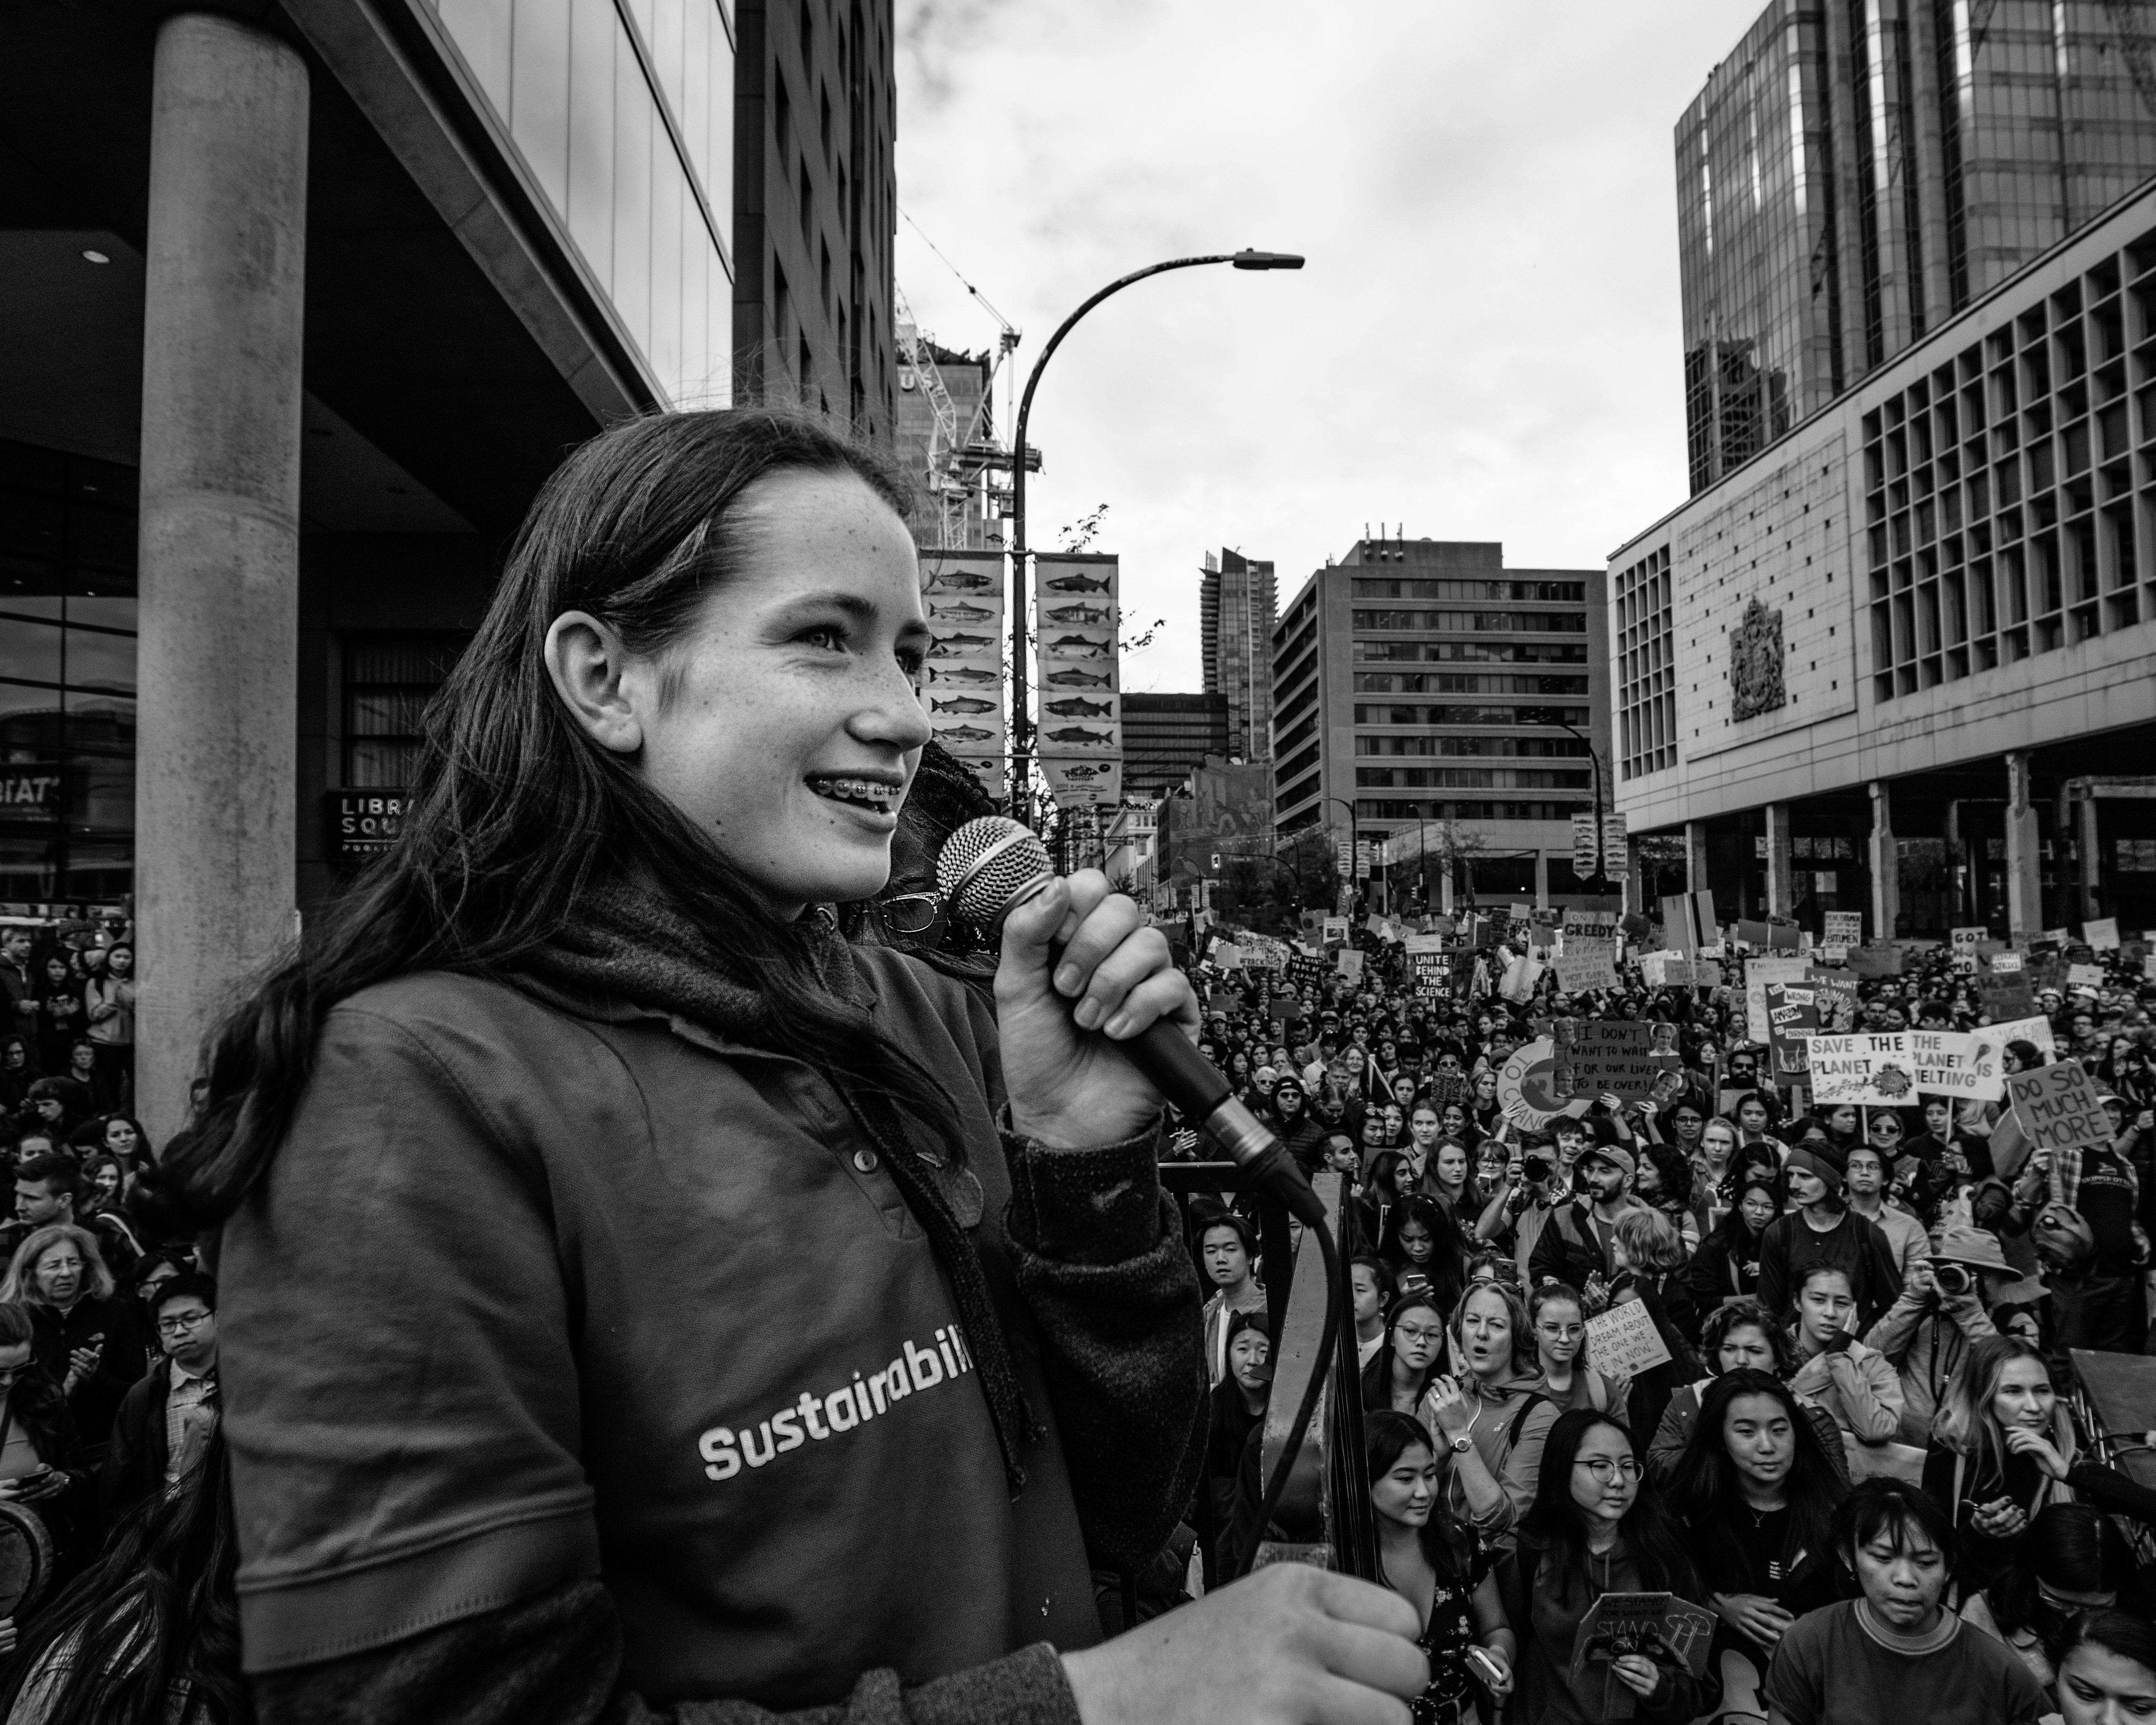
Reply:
x=1485, y=344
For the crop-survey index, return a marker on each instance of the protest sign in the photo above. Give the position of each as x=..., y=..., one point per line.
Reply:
x=1424, y=943
x=1792, y=1021
x=1951, y=1064
x=2036, y=1030
x=1968, y=938
x=1837, y=1003
x=1335, y=929
x=1841, y=928
x=2010, y=996
x=1757, y=973
x=1586, y=963
x=2057, y=1106
x=1618, y=1624
x=1873, y=963
x=1349, y=963
x=1227, y=955
x=1866, y=1070
x=1589, y=923
x=1614, y=1057
x=1667, y=970
x=1623, y=1342
x=2101, y=933
x=2084, y=976
x=1432, y=975
x=2005, y=963
x=1526, y=1091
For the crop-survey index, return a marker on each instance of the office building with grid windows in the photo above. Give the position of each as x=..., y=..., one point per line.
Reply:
x=1235, y=598
x=1903, y=661
x=303, y=302
x=1425, y=687
x=1857, y=173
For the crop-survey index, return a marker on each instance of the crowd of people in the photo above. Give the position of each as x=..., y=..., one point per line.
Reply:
x=108, y=1360
x=1856, y=1452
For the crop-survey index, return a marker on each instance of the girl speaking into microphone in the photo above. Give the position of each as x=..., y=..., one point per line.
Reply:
x=632, y=1298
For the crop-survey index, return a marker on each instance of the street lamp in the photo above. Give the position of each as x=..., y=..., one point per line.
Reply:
x=1549, y=717
x=1244, y=259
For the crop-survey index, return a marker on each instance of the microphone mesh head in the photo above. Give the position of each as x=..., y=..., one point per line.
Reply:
x=986, y=866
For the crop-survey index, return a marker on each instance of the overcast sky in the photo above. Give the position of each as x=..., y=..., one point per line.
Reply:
x=1485, y=344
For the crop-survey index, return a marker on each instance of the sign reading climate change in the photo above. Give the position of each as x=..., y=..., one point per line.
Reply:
x=963, y=683
x=1079, y=740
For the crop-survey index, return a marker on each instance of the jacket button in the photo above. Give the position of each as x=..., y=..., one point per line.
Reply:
x=864, y=1160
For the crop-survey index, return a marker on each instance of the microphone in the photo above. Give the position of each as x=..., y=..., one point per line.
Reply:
x=991, y=865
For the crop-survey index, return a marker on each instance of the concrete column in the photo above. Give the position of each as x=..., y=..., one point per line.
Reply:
x=2086, y=853
x=1445, y=887
x=1541, y=880
x=1635, y=879
x=1781, y=887
x=219, y=536
x=1886, y=864
x=2024, y=880
x=1695, y=835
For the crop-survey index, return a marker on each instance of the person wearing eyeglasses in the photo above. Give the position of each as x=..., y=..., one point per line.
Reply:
x=1597, y=1526
x=166, y=1421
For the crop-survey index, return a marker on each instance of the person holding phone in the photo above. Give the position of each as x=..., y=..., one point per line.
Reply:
x=41, y=1460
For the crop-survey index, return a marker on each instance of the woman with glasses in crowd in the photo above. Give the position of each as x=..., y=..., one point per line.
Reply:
x=89, y=1340
x=1557, y=1318
x=1399, y=1374
x=1596, y=1525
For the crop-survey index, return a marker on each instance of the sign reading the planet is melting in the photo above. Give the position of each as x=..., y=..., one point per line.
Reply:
x=962, y=682
x=1079, y=737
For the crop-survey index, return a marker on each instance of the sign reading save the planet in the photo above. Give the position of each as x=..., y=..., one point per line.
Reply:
x=1870, y=1070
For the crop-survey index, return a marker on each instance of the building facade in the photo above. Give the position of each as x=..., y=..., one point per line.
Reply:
x=1904, y=662
x=1166, y=738
x=1235, y=613
x=1858, y=172
x=297, y=312
x=956, y=506
x=815, y=208
x=1421, y=684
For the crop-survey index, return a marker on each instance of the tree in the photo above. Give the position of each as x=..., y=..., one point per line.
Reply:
x=1663, y=854
x=1452, y=843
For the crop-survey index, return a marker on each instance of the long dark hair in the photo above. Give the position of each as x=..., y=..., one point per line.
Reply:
x=1448, y=1249
x=515, y=813
x=159, y=1609
x=1389, y=1435
x=1706, y=1490
x=2074, y=1547
x=1552, y=1520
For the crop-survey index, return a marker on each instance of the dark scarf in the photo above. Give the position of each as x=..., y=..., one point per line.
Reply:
x=630, y=944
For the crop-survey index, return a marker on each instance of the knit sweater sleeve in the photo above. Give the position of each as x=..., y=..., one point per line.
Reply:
x=1101, y=1263
x=555, y=1660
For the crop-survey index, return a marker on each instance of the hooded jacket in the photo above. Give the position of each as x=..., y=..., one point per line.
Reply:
x=635, y=1378
x=1512, y=1422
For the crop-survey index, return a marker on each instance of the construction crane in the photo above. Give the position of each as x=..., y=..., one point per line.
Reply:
x=945, y=475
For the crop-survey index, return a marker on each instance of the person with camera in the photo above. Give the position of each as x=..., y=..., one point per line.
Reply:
x=1943, y=1310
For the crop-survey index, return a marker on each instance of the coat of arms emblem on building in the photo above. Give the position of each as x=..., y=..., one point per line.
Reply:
x=1755, y=664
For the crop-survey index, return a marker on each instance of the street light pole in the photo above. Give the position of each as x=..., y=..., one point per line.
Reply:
x=1246, y=260
x=1594, y=761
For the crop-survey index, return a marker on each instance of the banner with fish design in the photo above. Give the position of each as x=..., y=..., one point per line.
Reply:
x=1079, y=733
x=962, y=685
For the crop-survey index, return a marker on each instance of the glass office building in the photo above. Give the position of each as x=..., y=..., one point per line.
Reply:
x=1859, y=171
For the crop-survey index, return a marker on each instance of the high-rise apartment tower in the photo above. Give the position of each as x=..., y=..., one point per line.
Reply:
x=1235, y=624
x=1859, y=171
